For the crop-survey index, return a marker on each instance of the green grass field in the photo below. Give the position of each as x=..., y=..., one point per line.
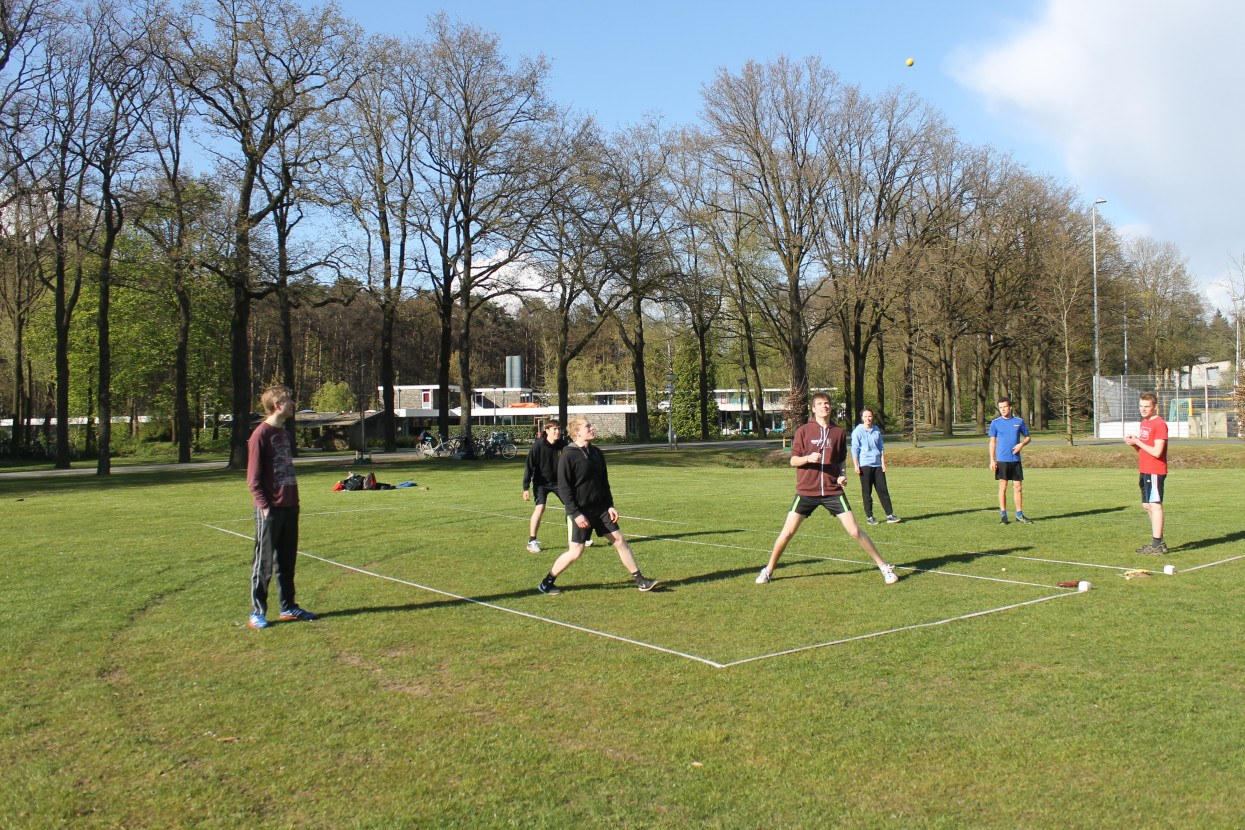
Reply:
x=136, y=696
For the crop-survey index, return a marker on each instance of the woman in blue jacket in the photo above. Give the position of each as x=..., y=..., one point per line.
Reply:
x=870, y=462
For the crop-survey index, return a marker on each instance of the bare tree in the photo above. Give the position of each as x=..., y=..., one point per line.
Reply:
x=771, y=127
x=481, y=163
x=632, y=185
x=21, y=292
x=1063, y=301
x=258, y=70
x=124, y=80
x=375, y=184
x=881, y=149
x=566, y=254
x=1168, y=306
x=698, y=287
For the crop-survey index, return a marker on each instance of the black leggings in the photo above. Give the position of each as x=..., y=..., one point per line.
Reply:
x=871, y=477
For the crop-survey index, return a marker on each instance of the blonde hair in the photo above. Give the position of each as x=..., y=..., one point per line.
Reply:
x=273, y=394
x=575, y=425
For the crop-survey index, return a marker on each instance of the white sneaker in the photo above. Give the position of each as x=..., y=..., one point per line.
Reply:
x=588, y=544
x=888, y=574
x=765, y=575
x=533, y=546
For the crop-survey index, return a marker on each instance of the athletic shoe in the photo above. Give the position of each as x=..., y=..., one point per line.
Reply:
x=1153, y=549
x=765, y=576
x=1024, y=520
x=644, y=583
x=533, y=546
x=550, y=589
x=892, y=519
x=588, y=543
x=871, y=521
x=1003, y=520
x=888, y=574
x=258, y=621
x=297, y=614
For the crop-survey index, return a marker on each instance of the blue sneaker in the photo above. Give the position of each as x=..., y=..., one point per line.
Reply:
x=295, y=614
x=258, y=621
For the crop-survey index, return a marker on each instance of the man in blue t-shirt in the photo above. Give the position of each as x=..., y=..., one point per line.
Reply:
x=1008, y=435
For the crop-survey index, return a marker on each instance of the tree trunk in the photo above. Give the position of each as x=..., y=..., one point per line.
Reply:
x=181, y=373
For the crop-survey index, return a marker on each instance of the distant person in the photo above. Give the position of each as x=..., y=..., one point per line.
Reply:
x=869, y=459
x=818, y=453
x=274, y=489
x=1151, y=445
x=584, y=487
x=1008, y=436
x=541, y=475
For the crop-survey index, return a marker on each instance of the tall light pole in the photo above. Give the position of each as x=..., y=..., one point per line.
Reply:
x=1093, y=223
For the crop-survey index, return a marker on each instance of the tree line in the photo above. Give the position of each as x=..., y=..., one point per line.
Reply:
x=202, y=199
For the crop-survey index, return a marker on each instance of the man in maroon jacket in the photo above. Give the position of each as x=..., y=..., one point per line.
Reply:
x=270, y=475
x=818, y=453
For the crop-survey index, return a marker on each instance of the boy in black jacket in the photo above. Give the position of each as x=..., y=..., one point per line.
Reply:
x=541, y=473
x=584, y=487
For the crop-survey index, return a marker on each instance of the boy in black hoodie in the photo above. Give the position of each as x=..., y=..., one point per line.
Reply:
x=584, y=487
x=541, y=473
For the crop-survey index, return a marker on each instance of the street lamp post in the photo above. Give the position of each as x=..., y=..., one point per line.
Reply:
x=670, y=410
x=1094, y=234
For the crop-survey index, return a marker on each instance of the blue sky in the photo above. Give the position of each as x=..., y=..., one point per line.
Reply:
x=1135, y=101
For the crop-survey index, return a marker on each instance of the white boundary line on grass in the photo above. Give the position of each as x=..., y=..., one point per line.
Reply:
x=605, y=634
x=1209, y=564
x=715, y=664
x=896, y=630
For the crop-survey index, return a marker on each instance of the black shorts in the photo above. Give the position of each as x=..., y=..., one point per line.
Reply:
x=542, y=492
x=805, y=505
x=1010, y=471
x=1152, y=488
x=598, y=520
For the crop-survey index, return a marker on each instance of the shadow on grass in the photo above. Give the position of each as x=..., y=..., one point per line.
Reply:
x=907, y=519
x=449, y=602
x=1078, y=513
x=1225, y=539
x=933, y=563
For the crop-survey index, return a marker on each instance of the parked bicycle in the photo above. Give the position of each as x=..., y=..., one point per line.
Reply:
x=498, y=444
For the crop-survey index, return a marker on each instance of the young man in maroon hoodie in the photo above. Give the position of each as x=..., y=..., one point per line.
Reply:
x=818, y=453
x=270, y=476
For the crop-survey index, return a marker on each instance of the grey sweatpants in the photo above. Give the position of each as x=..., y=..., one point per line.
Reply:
x=276, y=543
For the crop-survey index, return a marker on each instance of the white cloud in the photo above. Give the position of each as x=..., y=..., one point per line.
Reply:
x=1143, y=100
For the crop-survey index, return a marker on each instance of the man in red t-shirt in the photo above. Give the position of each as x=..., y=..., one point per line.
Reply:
x=1151, y=445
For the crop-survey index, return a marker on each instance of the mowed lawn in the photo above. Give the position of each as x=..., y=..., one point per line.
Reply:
x=439, y=689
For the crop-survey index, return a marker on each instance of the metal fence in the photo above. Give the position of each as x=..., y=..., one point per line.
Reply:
x=1190, y=411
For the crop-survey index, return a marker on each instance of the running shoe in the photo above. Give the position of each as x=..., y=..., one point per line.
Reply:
x=1023, y=520
x=533, y=546
x=871, y=521
x=644, y=583
x=1153, y=549
x=258, y=621
x=765, y=576
x=892, y=519
x=550, y=589
x=888, y=574
x=1003, y=520
x=297, y=614
x=588, y=543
